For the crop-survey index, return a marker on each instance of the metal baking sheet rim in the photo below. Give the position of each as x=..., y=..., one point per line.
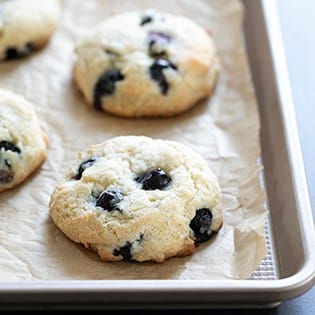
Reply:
x=197, y=293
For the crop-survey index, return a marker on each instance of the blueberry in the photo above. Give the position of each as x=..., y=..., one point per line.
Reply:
x=148, y=18
x=29, y=47
x=140, y=239
x=108, y=200
x=156, y=71
x=111, y=52
x=86, y=164
x=156, y=179
x=106, y=86
x=7, y=163
x=9, y=146
x=200, y=224
x=124, y=251
x=6, y=176
x=14, y=53
x=157, y=43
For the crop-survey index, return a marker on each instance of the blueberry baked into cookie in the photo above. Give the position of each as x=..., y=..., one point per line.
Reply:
x=142, y=64
x=22, y=141
x=26, y=26
x=135, y=198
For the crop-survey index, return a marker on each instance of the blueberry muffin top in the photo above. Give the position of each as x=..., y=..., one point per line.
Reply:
x=26, y=25
x=135, y=198
x=22, y=141
x=145, y=63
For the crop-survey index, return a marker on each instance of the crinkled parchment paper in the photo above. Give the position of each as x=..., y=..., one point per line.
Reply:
x=224, y=130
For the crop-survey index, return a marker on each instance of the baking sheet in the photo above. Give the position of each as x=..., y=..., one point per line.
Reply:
x=225, y=130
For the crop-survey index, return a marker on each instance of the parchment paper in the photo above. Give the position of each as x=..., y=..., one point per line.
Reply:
x=224, y=130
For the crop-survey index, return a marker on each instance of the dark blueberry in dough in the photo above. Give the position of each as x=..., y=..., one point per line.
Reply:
x=9, y=146
x=12, y=53
x=148, y=18
x=157, y=44
x=6, y=176
x=140, y=239
x=7, y=163
x=83, y=167
x=111, y=52
x=156, y=71
x=108, y=200
x=106, y=86
x=124, y=251
x=156, y=179
x=200, y=224
x=29, y=47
